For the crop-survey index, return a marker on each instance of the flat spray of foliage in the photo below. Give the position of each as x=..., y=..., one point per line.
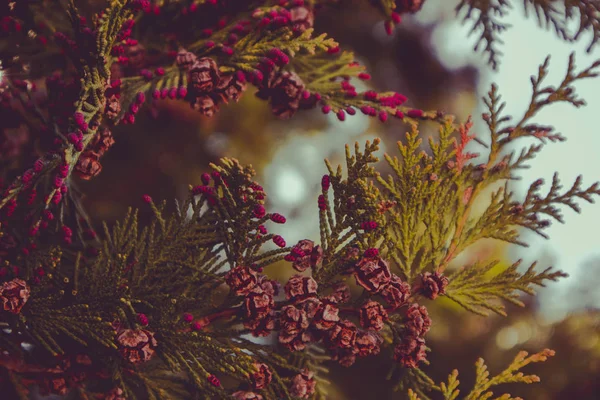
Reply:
x=172, y=309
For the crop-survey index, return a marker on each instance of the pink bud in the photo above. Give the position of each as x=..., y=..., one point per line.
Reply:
x=142, y=319
x=278, y=218
x=325, y=182
x=279, y=241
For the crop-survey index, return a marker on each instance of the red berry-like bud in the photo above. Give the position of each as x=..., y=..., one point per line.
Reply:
x=187, y=317
x=259, y=211
x=325, y=182
x=147, y=199
x=279, y=241
x=142, y=319
x=213, y=380
x=278, y=218
x=369, y=225
x=415, y=113
x=322, y=203
x=372, y=252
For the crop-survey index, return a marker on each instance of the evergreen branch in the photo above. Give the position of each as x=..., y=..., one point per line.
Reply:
x=474, y=289
x=511, y=374
x=487, y=21
x=483, y=383
x=559, y=16
x=249, y=51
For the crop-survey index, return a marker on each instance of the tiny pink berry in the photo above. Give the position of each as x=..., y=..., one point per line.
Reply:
x=197, y=326
x=142, y=319
x=259, y=211
x=415, y=113
x=325, y=182
x=279, y=241
x=372, y=252
x=147, y=199
x=322, y=203
x=213, y=380
x=278, y=218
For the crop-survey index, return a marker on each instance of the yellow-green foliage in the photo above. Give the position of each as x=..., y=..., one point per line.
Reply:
x=482, y=389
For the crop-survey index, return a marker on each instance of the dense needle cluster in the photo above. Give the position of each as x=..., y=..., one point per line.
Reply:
x=175, y=308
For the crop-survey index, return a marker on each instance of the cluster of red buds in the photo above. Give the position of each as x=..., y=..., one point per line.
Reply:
x=294, y=14
x=401, y=7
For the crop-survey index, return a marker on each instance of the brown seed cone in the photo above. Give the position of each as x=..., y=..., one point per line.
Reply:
x=373, y=274
x=410, y=351
x=262, y=377
x=242, y=395
x=113, y=107
x=368, y=343
x=206, y=105
x=300, y=287
x=302, y=18
x=431, y=285
x=185, y=59
x=88, y=165
x=417, y=320
x=303, y=385
x=258, y=304
x=204, y=75
x=103, y=141
x=396, y=292
x=136, y=345
x=241, y=280
x=286, y=92
x=343, y=335
x=13, y=295
x=293, y=332
x=231, y=88
x=372, y=315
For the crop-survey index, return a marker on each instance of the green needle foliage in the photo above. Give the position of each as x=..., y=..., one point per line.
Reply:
x=180, y=308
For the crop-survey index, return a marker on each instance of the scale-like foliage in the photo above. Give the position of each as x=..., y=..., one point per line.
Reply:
x=166, y=310
x=555, y=14
x=482, y=389
x=473, y=288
